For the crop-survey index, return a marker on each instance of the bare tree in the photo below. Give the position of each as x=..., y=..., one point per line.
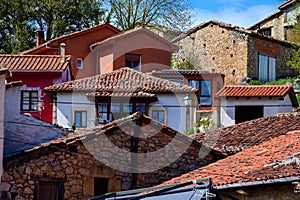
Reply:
x=128, y=14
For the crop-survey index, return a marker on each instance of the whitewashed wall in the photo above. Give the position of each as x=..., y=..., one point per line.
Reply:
x=2, y=100
x=174, y=106
x=68, y=103
x=271, y=107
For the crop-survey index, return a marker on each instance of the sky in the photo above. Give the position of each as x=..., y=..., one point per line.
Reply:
x=243, y=13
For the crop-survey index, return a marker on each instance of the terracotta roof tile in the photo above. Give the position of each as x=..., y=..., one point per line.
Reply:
x=34, y=63
x=122, y=80
x=287, y=4
x=254, y=91
x=270, y=160
x=233, y=139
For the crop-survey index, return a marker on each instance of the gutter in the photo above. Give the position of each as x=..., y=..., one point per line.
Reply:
x=255, y=183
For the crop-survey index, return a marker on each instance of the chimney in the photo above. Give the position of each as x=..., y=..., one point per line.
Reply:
x=39, y=37
x=62, y=52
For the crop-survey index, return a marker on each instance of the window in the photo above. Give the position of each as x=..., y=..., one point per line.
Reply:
x=266, y=68
x=100, y=186
x=140, y=107
x=204, y=87
x=80, y=119
x=133, y=61
x=265, y=31
x=127, y=108
x=29, y=100
x=79, y=63
x=246, y=113
x=158, y=115
x=49, y=190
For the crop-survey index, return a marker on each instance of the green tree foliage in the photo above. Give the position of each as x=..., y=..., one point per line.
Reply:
x=128, y=14
x=19, y=19
x=294, y=62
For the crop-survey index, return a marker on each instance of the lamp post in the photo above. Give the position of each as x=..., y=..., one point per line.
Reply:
x=188, y=102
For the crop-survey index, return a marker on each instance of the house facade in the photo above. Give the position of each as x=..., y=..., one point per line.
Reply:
x=235, y=52
x=147, y=51
x=84, y=164
x=280, y=24
x=96, y=100
x=37, y=72
x=241, y=103
x=77, y=44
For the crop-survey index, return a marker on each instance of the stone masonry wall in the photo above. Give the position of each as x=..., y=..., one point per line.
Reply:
x=102, y=155
x=218, y=49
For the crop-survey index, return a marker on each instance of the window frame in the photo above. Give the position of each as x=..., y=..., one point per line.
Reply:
x=81, y=118
x=129, y=57
x=30, y=100
x=81, y=63
x=164, y=115
x=60, y=187
x=199, y=87
x=259, y=67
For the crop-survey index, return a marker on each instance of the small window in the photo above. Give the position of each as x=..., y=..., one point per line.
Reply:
x=265, y=31
x=79, y=63
x=266, y=68
x=204, y=86
x=29, y=100
x=158, y=115
x=80, y=119
x=140, y=107
x=133, y=61
x=49, y=189
x=127, y=108
x=100, y=186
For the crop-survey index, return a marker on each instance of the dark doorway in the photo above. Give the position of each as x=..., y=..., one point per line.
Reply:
x=246, y=113
x=49, y=190
x=100, y=186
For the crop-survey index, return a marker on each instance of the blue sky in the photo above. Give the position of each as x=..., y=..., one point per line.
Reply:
x=242, y=13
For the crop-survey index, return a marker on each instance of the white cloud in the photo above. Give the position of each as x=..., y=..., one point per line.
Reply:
x=235, y=16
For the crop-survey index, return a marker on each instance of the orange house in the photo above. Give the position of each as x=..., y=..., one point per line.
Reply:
x=139, y=49
x=77, y=44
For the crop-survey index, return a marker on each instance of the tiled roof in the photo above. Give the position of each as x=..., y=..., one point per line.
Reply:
x=271, y=160
x=34, y=63
x=123, y=124
x=256, y=25
x=131, y=32
x=228, y=26
x=122, y=80
x=183, y=72
x=74, y=34
x=258, y=91
x=287, y=4
x=254, y=91
x=232, y=139
x=122, y=94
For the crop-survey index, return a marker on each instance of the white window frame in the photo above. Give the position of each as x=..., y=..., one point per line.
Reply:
x=86, y=118
x=159, y=108
x=79, y=66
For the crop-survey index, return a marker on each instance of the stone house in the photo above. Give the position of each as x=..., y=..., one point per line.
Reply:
x=128, y=153
x=235, y=52
x=269, y=170
x=239, y=103
x=279, y=24
x=88, y=102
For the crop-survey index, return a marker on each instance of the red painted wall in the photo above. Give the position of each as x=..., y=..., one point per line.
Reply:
x=41, y=80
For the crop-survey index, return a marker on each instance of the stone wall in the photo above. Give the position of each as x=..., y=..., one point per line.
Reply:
x=111, y=155
x=282, y=191
x=218, y=49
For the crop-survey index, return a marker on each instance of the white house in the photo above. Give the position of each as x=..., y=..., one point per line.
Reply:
x=88, y=102
x=241, y=103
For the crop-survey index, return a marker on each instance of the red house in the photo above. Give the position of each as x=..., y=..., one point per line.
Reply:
x=37, y=72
